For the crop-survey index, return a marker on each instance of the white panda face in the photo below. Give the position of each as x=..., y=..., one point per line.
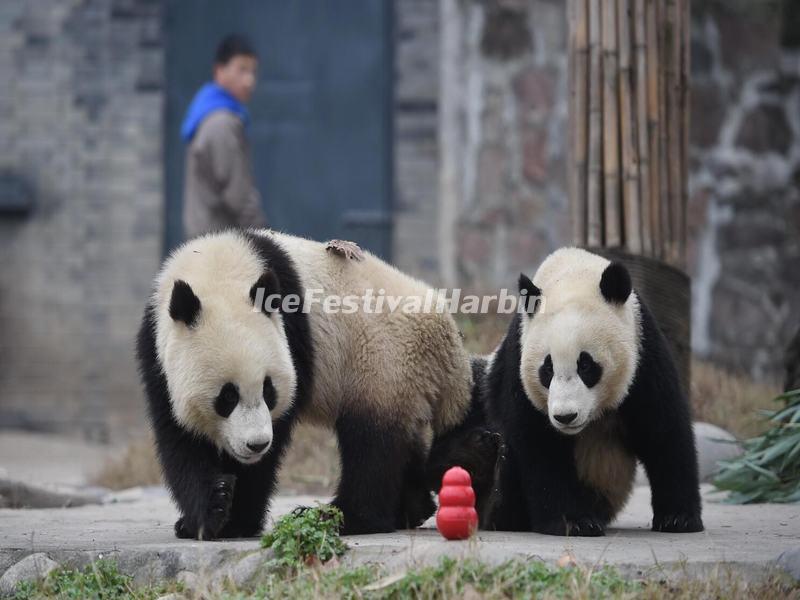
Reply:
x=246, y=427
x=564, y=373
x=229, y=368
x=579, y=350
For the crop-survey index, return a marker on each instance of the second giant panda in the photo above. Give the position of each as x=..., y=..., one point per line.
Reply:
x=225, y=382
x=581, y=387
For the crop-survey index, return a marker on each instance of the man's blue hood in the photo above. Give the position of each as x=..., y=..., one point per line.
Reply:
x=211, y=97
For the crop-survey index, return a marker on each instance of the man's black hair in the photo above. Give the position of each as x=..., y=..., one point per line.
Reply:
x=233, y=44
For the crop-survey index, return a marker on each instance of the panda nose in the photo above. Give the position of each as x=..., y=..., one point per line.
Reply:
x=256, y=448
x=566, y=418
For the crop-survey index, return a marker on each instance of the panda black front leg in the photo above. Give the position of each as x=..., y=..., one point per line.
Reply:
x=255, y=485
x=194, y=474
x=374, y=458
x=212, y=523
x=559, y=504
x=658, y=421
x=552, y=497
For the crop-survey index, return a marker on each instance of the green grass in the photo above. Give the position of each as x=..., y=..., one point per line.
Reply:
x=449, y=579
x=100, y=580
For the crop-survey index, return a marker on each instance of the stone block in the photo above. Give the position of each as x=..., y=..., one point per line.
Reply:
x=31, y=568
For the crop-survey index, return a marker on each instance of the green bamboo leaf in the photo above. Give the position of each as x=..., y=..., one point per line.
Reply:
x=781, y=447
x=790, y=395
x=762, y=470
x=769, y=468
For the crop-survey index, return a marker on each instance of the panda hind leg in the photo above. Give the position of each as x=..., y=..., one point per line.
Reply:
x=416, y=504
x=374, y=458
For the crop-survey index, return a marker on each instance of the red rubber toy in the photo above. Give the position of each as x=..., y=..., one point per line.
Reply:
x=456, y=518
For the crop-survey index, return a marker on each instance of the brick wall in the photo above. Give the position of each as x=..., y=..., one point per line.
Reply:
x=80, y=121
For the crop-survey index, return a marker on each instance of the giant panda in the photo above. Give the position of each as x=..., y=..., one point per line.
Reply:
x=582, y=386
x=226, y=381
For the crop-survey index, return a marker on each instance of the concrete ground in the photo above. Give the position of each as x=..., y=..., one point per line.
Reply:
x=136, y=528
x=139, y=531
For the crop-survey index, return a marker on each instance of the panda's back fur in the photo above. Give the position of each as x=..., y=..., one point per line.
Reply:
x=411, y=370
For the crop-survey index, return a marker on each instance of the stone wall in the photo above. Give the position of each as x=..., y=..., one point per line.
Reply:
x=745, y=182
x=507, y=138
x=80, y=122
x=416, y=96
x=509, y=147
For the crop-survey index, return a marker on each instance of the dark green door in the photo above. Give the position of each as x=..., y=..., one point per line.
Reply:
x=321, y=126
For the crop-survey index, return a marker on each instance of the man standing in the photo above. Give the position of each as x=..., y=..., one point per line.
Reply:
x=218, y=188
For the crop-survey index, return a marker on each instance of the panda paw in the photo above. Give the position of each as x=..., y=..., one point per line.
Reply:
x=681, y=522
x=213, y=523
x=488, y=441
x=219, y=507
x=183, y=531
x=582, y=527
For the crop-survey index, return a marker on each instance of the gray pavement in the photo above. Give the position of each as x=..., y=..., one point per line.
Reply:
x=135, y=528
x=138, y=532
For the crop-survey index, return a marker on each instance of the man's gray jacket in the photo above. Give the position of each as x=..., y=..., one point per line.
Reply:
x=218, y=189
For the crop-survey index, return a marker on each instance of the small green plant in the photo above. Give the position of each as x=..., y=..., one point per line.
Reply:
x=769, y=469
x=306, y=535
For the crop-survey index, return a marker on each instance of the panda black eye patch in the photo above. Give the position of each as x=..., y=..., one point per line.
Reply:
x=588, y=370
x=546, y=371
x=270, y=395
x=227, y=400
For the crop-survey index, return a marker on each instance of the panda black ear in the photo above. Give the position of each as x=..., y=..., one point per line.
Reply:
x=615, y=284
x=263, y=293
x=529, y=294
x=184, y=306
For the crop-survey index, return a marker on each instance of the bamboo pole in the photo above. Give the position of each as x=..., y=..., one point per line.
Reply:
x=629, y=145
x=611, y=198
x=663, y=130
x=595, y=170
x=640, y=51
x=572, y=191
x=685, y=71
x=578, y=80
x=673, y=36
x=653, y=125
x=630, y=154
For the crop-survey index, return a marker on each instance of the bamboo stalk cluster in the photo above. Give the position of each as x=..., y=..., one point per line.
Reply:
x=629, y=117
